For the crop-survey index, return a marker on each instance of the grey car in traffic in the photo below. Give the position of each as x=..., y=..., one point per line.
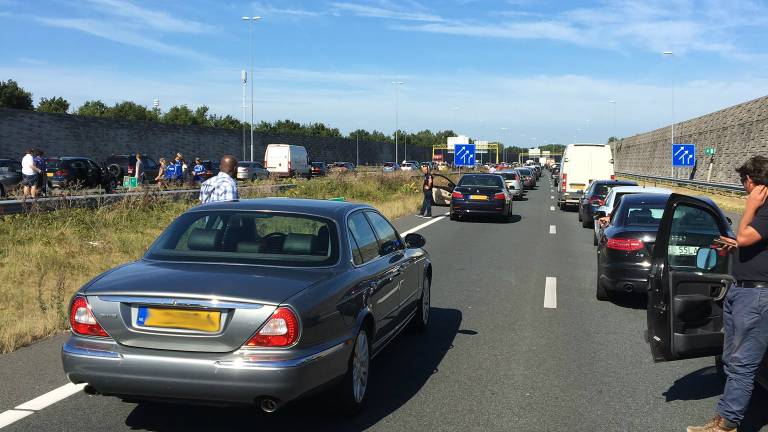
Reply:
x=254, y=302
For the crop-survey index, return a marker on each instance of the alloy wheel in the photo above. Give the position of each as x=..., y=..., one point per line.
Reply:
x=360, y=366
x=425, y=306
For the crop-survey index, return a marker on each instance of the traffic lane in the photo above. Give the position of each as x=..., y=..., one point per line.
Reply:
x=413, y=380
x=31, y=371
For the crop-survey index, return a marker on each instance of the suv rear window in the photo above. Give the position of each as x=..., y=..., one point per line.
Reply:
x=481, y=181
x=249, y=237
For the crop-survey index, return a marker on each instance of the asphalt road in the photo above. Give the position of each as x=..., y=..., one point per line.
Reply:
x=494, y=357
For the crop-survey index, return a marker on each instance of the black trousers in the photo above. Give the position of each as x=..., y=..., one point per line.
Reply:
x=426, y=205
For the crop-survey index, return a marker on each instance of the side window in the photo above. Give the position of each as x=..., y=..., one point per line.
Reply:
x=150, y=164
x=362, y=234
x=389, y=242
x=77, y=164
x=357, y=258
x=93, y=166
x=693, y=228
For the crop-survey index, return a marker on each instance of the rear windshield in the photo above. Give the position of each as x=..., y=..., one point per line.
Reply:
x=54, y=163
x=640, y=215
x=508, y=176
x=317, y=164
x=243, y=164
x=525, y=171
x=481, y=181
x=249, y=237
x=389, y=164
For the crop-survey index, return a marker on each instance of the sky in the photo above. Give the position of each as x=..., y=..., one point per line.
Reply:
x=526, y=72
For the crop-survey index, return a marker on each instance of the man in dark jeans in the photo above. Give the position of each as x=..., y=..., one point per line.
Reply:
x=745, y=309
x=426, y=205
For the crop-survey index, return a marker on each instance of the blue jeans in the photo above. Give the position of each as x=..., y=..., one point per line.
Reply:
x=426, y=205
x=745, y=317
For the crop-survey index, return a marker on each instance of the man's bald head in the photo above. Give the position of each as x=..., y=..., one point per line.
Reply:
x=229, y=165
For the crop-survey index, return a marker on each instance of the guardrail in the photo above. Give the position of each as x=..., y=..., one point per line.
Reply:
x=728, y=188
x=9, y=207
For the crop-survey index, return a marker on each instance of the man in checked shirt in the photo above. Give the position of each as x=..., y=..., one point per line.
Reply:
x=223, y=186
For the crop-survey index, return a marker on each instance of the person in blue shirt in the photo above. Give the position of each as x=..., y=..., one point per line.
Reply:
x=175, y=170
x=198, y=169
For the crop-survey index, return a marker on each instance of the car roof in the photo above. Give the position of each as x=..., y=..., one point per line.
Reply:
x=325, y=208
x=640, y=189
x=617, y=182
x=652, y=198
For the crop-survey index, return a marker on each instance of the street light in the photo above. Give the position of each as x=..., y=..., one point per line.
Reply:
x=613, y=102
x=250, y=51
x=670, y=54
x=397, y=85
x=505, y=147
x=244, y=79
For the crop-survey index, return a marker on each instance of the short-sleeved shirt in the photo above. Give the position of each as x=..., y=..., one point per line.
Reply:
x=139, y=171
x=198, y=169
x=40, y=163
x=26, y=165
x=219, y=188
x=751, y=262
x=427, y=185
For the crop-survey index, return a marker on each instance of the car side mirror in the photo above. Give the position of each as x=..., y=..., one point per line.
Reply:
x=388, y=247
x=414, y=240
x=706, y=258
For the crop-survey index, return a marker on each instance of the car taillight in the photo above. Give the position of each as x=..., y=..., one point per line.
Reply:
x=281, y=330
x=82, y=321
x=130, y=169
x=565, y=182
x=457, y=195
x=625, y=244
x=61, y=173
x=613, y=177
x=500, y=196
x=596, y=200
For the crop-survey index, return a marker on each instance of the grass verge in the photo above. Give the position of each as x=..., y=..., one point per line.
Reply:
x=46, y=257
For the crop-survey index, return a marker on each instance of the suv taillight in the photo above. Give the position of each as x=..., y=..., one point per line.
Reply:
x=281, y=330
x=625, y=244
x=82, y=321
x=500, y=196
x=457, y=195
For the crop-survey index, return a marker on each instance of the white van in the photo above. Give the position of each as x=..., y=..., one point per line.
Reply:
x=285, y=160
x=581, y=165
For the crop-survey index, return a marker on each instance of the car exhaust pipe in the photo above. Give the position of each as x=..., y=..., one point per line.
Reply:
x=629, y=287
x=268, y=405
x=90, y=391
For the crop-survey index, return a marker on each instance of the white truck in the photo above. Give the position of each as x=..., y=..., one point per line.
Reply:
x=285, y=160
x=581, y=165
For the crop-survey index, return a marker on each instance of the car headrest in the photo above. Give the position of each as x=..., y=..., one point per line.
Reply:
x=320, y=246
x=249, y=247
x=204, y=239
x=299, y=244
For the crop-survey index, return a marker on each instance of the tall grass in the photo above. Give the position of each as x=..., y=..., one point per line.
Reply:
x=46, y=256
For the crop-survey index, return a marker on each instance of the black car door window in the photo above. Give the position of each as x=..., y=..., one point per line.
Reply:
x=388, y=240
x=693, y=228
x=363, y=236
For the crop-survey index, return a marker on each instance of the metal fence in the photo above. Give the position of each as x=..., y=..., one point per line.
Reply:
x=725, y=188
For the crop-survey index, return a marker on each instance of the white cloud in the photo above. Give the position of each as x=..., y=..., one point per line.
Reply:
x=267, y=9
x=148, y=18
x=398, y=13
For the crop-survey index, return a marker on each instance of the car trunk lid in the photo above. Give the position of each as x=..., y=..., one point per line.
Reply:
x=192, y=307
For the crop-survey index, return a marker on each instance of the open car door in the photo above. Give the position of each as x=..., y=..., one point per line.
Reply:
x=687, y=281
x=442, y=187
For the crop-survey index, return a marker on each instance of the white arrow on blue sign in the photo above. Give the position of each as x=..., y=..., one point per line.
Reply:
x=464, y=155
x=683, y=155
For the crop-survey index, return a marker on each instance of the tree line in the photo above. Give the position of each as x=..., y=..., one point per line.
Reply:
x=14, y=96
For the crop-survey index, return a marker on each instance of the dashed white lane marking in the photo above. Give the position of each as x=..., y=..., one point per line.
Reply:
x=551, y=197
x=550, y=293
x=425, y=224
x=552, y=229
x=551, y=208
x=12, y=416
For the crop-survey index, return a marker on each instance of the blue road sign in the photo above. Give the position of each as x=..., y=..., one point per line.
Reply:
x=464, y=155
x=683, y=155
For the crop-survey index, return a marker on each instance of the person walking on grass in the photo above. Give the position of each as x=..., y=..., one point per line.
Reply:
x=745, y=308
x=29, y=174
x=426, y=205
x=222, y=187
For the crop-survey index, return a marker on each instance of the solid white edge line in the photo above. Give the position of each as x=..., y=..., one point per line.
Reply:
x=51, y=397
x=12, y=416
x=550, y=293
x=425, y=224
x=552, y=229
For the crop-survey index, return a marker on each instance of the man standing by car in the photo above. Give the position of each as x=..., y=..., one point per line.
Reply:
x=139, y=169
x=222, y=187
x=745, y=309
x=29, y=174
x=426, y=205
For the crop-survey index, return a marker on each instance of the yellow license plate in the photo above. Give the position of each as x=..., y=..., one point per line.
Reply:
x=188, y=319
x=50, y=174
x=479, y=197
x=577, y=185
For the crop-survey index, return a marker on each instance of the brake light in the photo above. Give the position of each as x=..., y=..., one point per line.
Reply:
x=457, y=195
x=82, y=321
x=613, y=177
x=130, y=169
x=565, y=182
x=500, y=196
x=61, y=173
x=281, y=330
x=596, y=200
x=625, y=244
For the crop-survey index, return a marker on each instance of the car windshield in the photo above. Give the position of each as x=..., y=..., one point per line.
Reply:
x=641, y=214
x=525, y=172
x=602, y=189
x=248, y=237
x=508, y=175
x=472, y=180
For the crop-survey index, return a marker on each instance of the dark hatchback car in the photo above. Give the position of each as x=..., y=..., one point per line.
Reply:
x=688, y=282
x=481, y=194
x=10, y=176
x=290, y=295
x=594, y=197
x=318, y=169
x=529, y=181
x=626, y=244
x=78, y=173
x=125, y=165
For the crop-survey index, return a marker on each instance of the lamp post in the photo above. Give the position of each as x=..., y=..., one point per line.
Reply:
x=613, y=102
x=397, y=85
x=670, y=54
x=505, y=147
x=250, y=51
x=244, y=79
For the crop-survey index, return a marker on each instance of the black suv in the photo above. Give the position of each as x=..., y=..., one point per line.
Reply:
x=78, y=173
x=318, y=169
x=124, y=165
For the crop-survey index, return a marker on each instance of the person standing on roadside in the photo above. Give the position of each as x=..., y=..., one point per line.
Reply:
x=138, y=170
x=222, y=187
x=745, y=308
x=161, y=173
x=29, y=174
x=179, y=169
x=426, y=188
x=41, y=175
x=197, y=170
